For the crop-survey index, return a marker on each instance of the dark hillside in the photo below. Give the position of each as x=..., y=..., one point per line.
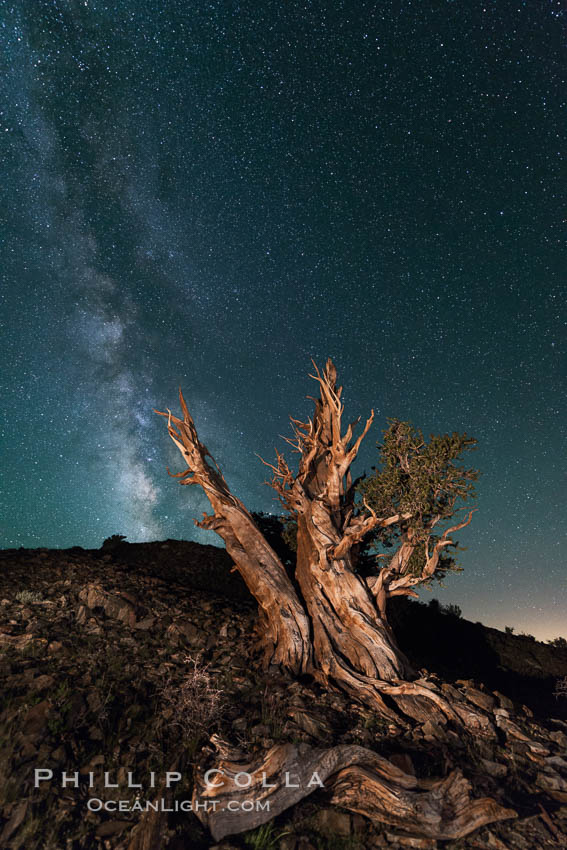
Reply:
x=128, y=659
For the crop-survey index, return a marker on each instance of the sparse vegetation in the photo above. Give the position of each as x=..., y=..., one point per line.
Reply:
x=527, y=636
x=452, y=609
x=197, y=705
x=112, y=542
x=322, y=622
x=264, y=838
x=27, y=596
x=425, y=481
x=377, y=724
x=111, y=690
x=272, y=713
x=338, y=842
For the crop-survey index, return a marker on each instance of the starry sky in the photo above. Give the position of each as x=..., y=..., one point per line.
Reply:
x=210, y=194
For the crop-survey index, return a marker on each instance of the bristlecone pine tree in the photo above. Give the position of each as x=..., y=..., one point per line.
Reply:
x=331, y=622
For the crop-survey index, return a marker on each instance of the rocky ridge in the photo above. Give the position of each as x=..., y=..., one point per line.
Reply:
x=136, y=661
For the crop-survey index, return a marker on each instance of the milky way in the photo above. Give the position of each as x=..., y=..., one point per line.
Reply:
x=212, y=194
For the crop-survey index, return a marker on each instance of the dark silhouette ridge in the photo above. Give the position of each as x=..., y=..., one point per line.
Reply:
x=449, y=646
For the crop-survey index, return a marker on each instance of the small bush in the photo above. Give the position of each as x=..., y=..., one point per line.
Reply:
x=452, y=610
x=112, y=542
x=196, y=705
x=526, y=636
x=26, y=596
x=272, y=714
x=509, y=630
x=561, y=688
x=559, y=642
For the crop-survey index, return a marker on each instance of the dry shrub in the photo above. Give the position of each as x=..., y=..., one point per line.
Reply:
x=195, y=706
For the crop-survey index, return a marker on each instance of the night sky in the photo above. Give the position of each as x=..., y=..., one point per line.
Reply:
x=212, y=193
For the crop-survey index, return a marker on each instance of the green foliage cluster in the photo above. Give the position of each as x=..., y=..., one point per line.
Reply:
x=281, y=533
x=423, y=478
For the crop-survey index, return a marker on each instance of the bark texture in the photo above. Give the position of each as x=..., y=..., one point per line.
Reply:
x=359, y=780
x=284, y=626
x=335, y=627
x=336, y=630
x=332, y=623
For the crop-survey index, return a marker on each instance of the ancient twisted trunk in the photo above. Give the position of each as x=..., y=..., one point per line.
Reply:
x=353, y=645
x=335, y=630
x=336, y=627
x=351, y=641
x=332, y=623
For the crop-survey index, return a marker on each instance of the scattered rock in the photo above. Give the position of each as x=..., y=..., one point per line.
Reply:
x=559, y=738
x=146, y=623
x=306, y=721
x=113, y=605
x=479, y=698
x=493, y=842
x=504, y=701
x=35, y=719
x=189, y=630
x=15, y=641
x=112, y=827
x=333, y=822
x=85, y=694
x=16, y=817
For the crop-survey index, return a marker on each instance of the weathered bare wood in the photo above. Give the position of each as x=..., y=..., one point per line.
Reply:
x=338, y=628
x=333, y=624
x=352, y=641
x=285, y=627
x=359, y=780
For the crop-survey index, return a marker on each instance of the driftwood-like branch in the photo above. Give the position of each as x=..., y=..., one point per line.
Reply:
x=357, y=529
x=359, y=779
x=289, y=490
x=284, y=621
x=395, y=580
x=431, y=561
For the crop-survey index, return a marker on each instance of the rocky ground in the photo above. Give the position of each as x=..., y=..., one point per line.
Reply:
x=128, y=661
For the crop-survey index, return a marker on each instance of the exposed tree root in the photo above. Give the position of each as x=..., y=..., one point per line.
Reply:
x=359, y=780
